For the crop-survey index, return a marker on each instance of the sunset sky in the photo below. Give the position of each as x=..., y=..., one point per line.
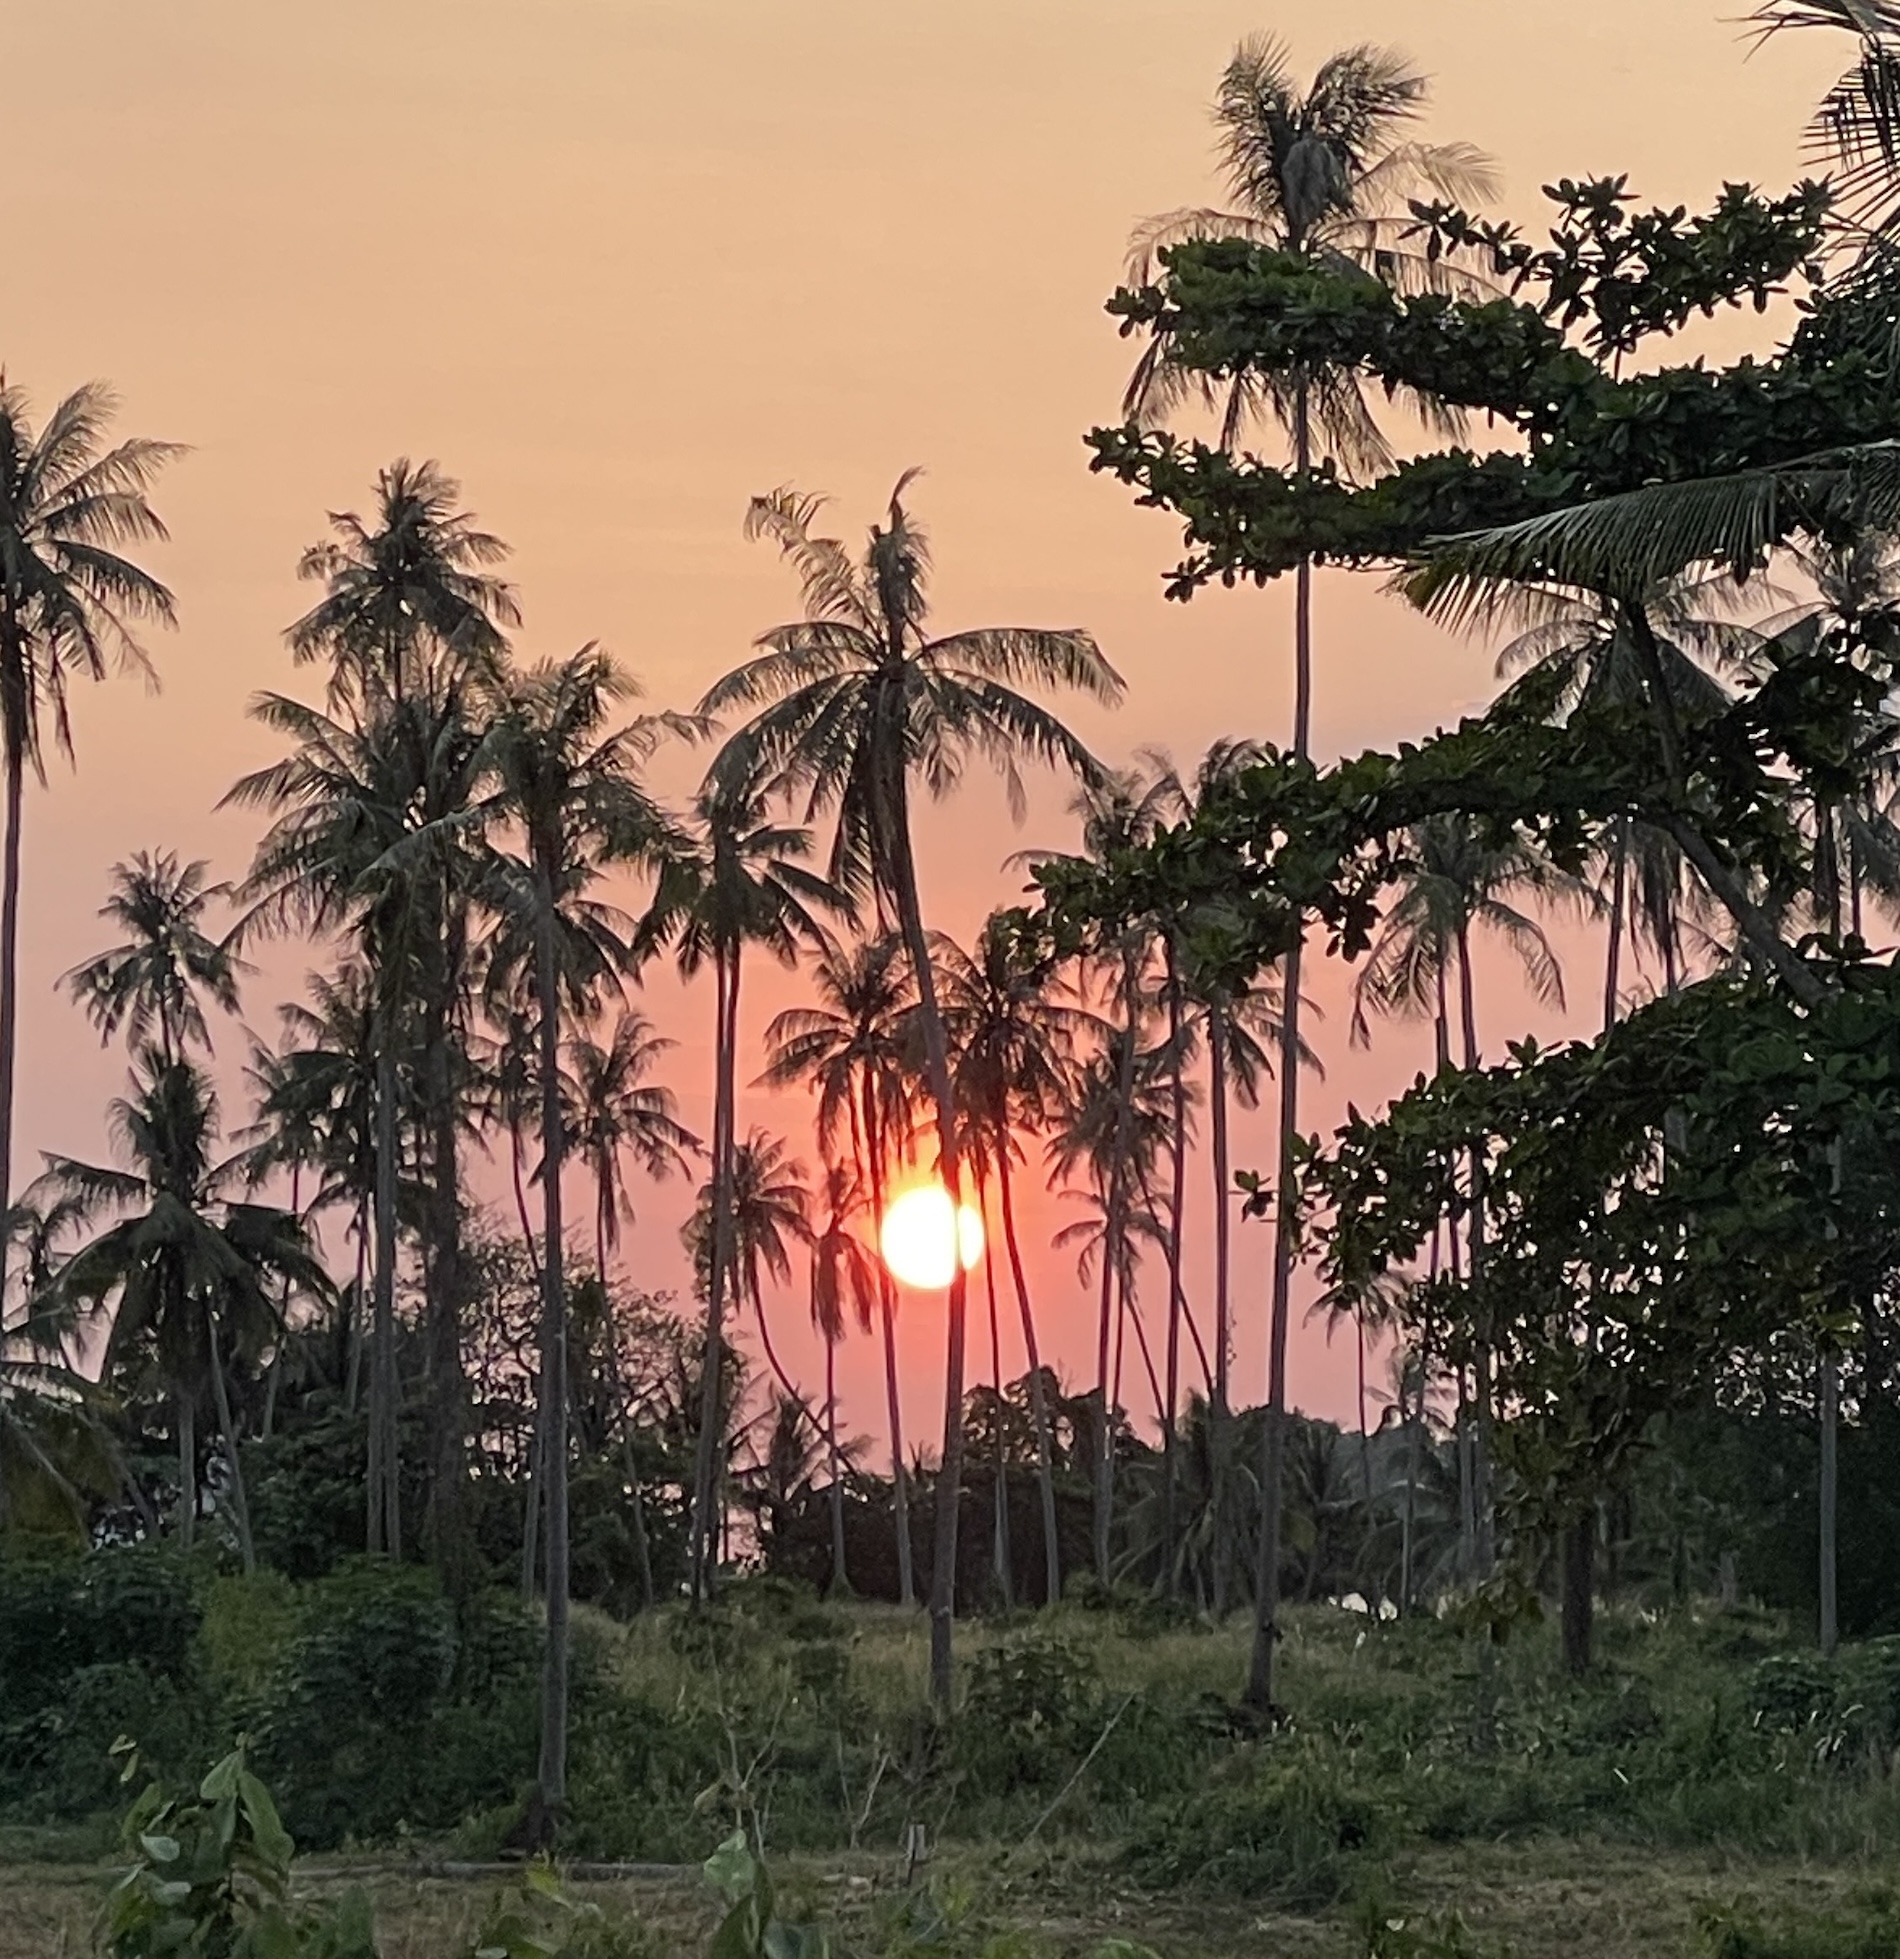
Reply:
x=618, y=265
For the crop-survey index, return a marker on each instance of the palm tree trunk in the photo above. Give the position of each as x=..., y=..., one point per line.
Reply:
x=1038, y=1397
x=1415, y=1441
x=187, y=1467
x=1114, y=1222
x=1177, y=1217
x=1259, y=1694
x=521, y=1201
x=771, y=1352
x=1830, y=1499
x=240, y=1508
x=551, y=1774
x=1003, y=1577
x=1619, y=904
x=448, y=1523
x=840, y=1578
x=385, y=1515
x=354, y=1381
x=711, y=1399
x=12, y=710
x=1481, y=1467
x=887, y=1314
x=1219, y=1427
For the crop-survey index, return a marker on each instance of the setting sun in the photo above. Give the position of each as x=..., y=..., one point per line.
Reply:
x=921, y=1244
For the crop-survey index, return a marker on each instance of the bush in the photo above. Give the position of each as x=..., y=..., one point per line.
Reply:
x=1293, y=1826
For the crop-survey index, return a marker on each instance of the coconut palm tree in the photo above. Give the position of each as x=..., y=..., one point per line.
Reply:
x=151, y=983
x=854, y=700
x=185, y=1269
x=1326, y=175
x=1119, y=811
x=372, y=835
x=615, y=1111
x=56, y=1450
x=771, y=1213
x=567, y=788
x=69, y=601
x=844, y=1288
x=1016, y=1039
x=741, y=880
x=854, y=1050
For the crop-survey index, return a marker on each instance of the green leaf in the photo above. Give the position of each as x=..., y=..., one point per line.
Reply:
x=732, y=1870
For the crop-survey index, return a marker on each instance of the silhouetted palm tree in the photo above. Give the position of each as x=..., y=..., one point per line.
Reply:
x=855, y=700
x=844, y=1288
x=185, y=1269
x=153, y=980
x=740, y=880
x=567, y=788
x=853, y=1050
x=68, y=603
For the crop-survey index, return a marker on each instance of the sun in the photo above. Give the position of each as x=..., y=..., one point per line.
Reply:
x=923, y=1242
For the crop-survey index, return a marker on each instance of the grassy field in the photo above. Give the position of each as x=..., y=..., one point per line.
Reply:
x=1710, y=1773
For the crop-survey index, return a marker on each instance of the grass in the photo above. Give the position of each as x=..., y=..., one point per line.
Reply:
x=1558, y=1822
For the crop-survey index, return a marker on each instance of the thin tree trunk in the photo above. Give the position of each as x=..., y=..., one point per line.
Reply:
x=1830, y=1499
x=771, y=1352
x=385, y=1512
x=521, y=1201
x=1481, y=1477
x=14, y=707
x=1115, y=1212
x=1177, y=1219
x=1220, y=1429
x=1619, y=901
x=1579, y=1556
x=711, y=1400
x=1038, y=1398
x=887, y=1313
x=943, y=1576
x=1003, y=1577
x=1259, y=1694
x=357, y=1305
x=187, y=1468
x=551, y=1773
x=840, y=1578
x=448, y=1525
x=240, y=1508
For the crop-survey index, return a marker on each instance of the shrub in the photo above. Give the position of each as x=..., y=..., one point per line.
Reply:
x=1294, y=1826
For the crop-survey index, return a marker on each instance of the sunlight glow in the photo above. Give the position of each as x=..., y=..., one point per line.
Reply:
x=922, y=1244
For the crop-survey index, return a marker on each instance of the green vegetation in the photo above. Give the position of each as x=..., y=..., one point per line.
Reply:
x=467, y=1544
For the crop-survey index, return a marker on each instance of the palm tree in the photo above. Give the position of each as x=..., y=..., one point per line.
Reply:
x=854, y=699
x=1015, y=1041
x=1327, y=176
x=1119, y=811
x=56, y=1450
x=844, y=1287
x=184, y=1269
x=617, y=1111
x=568, y=787
x=853, y=1049
x=372, y=821
x=740, y=881
x=68, y=603
x=771, y=1205
x=152, y=981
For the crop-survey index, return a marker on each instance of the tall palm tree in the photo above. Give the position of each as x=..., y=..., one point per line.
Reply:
x=616, y=1112
x=853, y=1050
x=844, y=1288
x=1016, y=1040
x=741, y=880
x=567, y=787
x=371, y=834
x=855, y=699
x=1327, y=175
x=151, y=983
x=69, y=600
x=185, y=1268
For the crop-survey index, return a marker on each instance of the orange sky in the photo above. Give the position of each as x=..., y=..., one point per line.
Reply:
x=619, y=264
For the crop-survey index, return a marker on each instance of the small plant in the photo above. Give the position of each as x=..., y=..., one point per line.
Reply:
x=211, y=1877
x=533, y=1919
x=752, y=1928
